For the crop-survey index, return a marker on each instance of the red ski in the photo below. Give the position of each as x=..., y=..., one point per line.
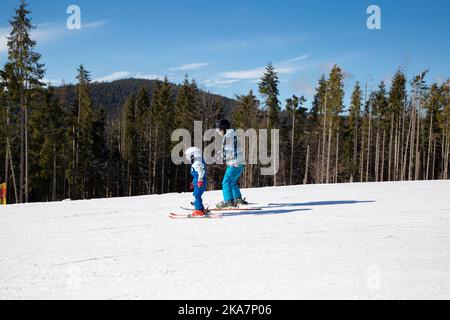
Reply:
x=189, y=216
x=226, y=209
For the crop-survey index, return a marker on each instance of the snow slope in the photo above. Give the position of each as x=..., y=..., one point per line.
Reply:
x=363, y=241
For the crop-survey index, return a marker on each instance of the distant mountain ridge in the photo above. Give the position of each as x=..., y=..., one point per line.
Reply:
x=112, y=95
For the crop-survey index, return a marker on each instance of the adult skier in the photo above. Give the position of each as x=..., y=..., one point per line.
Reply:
x=233, y=156
x=198, y=185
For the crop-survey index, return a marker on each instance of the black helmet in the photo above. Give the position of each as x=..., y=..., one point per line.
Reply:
x=224, y=125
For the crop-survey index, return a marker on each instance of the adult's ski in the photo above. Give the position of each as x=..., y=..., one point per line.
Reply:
x=226, y=209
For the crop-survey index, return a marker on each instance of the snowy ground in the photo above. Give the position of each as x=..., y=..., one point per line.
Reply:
x=363, y=241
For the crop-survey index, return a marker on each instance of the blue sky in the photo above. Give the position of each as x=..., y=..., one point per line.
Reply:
x=225, y=44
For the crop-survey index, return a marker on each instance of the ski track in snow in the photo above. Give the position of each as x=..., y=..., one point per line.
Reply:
x=357, y=241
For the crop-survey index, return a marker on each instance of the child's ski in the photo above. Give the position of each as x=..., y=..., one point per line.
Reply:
x=189, y=216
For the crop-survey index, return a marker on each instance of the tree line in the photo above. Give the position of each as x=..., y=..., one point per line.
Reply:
x=56, y=145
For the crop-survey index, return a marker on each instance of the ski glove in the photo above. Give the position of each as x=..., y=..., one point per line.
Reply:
x=191, y=187
x=200, y=184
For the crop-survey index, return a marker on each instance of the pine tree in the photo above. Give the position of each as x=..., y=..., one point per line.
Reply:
x=294, y=110
x=29, y=72
x=130, y=146
x=100, y=155
x=163, y=118
x=10, y=92
x=380, y=113
x=353, y=130
x=335, y=103
x=246, y=116
x=3, y=133
x=185, y=114
x=317, y=127
x=143, y=132
x=185, y=106
x=444, y=122
x=268, y=88
x=82, y=117
x=48, y=141
x=397, y=98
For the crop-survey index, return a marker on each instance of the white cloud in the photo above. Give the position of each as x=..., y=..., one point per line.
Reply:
x=93, y=24
x=283, y=67
x=148, y=76
x=47, y=31
x=53, y=82
x=118, y=75
x=255, y=73
x=219, y=83
x=114, y=76
x=301, y=58
x=191, y=66
x=4, y=33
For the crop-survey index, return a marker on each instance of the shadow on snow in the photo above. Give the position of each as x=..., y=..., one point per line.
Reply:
x=321, y=203
x=263, y=212
x=277, y=208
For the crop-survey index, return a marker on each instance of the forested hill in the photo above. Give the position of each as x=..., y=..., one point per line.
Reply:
x=113, y=95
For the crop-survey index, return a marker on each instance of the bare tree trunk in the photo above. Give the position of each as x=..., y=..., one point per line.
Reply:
x=329, y=153
x=6, y=166
x=355, y=151
x=54, y=174
x=401, y=146
x=22, y=142
x=412, y=149
x=77, y=148
x=446, y=162
x=369, y=136
x=337, y=158
x=163, y=164
x=396, y=154
x=26, y=153
x=442, y=164
x=377, y=153
x=361, y=163
x=405, y=158
x=292, y=148
x=150, y=178
x=322, y=173
x=129, y=178
x=154, y=163
x=429, y=146
x=382, y=156
x=391, y=141
x=318, y=164
x=7, y=150
x=12, y=173
x=434, y=160
x=305, y=181
x=417, y=166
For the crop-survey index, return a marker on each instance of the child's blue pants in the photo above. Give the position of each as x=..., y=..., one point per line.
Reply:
x=198, y=193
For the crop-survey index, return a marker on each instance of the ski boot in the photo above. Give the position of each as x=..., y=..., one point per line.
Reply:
x=225, y=205
x=240, y=202
x=198, y=214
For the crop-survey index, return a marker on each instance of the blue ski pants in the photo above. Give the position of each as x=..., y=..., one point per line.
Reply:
x=230, y=186
x=198, y=193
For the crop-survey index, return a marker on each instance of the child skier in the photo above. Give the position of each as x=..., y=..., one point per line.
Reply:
x=198, y=185
x=233, y=156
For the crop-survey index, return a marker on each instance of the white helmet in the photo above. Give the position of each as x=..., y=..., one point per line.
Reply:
x=193, y=152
